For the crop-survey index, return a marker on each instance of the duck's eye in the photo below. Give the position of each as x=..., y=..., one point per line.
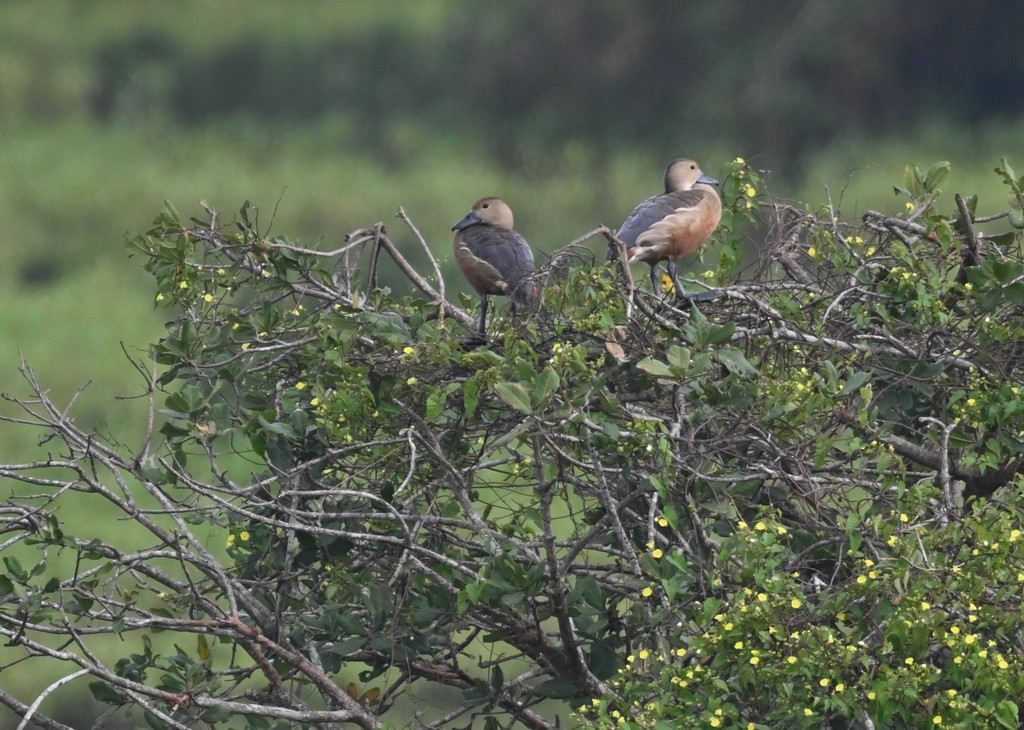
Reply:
x=486, y=205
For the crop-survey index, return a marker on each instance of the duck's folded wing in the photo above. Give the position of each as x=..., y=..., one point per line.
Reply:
x=654, y=210
x=494, y=260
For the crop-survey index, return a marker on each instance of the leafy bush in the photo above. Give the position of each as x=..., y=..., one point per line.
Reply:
x=794, y=505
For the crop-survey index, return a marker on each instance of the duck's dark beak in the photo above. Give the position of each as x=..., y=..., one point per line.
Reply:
x=471, y=219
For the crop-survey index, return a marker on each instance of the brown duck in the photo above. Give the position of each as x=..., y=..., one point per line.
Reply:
x=493, y=257
x=675, y=224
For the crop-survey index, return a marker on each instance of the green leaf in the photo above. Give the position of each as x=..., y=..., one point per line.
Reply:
x=603, y=661
x=216, y=714
x=546, y=384
x=436, y=402
x=853, y=383
x=471, y=395
x=1006, y=172
x=1015, y=294
x=278, y=428
x=678, y=357
x=1006, y=714
x=654, y=367
x=935, y=175
x=202, y=648
x=912, y=179
x=103, y=692
x=589, y=590
x=515, y=395
x=735, y=362
x=720, y=333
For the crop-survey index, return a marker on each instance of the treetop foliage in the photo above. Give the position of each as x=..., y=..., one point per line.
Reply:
x=796, y=504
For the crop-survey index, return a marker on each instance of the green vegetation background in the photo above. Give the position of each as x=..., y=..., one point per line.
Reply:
x=331, y=115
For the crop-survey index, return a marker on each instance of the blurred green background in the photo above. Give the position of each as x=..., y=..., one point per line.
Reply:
x=330, y=115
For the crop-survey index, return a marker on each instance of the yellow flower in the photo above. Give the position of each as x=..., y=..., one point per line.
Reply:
x=808, y=712
x=755, y=660
x=738, y=645
x=925, y=605
x=872, y=695
x=1014, y=535
x=795, y=603
x=760, y=527
x=862, y=579
x=781, y=530
x=958, y=660
x=751, y=191
x=840, y=687
x=657, y=554
x=812, y=252
x=647, y=592
x=315, y=402
x=740, y=161
x=909, y=661
x=762, y=597
x=231, y=539
x=159, y=297
x=742, y=525
x=937, y=720
x=183, y=285
x=208, y=297
x=824, y=682
x=904, y=518
x=644, y=653
x=411, y=381
x=792, y=659
x=301, y=385
x=243, y=535
x=246, y=346
x=715, y=722
x=1003, y=664
x=680, y=652
x=868, y=562
x=662, y=522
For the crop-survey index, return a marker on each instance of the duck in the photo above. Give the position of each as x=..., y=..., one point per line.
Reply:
x=493, y=257
x=675, y=224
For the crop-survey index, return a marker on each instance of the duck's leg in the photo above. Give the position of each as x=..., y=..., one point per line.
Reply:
x=654, y=278
x=483, y=314
x=674, y=276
